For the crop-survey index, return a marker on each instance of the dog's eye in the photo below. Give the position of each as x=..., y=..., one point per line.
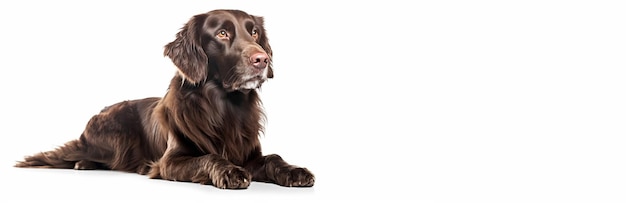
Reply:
x=222, y=34
x=255, y=33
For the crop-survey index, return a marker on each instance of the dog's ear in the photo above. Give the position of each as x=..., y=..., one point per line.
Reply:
x=263, y=41
x=187, y=53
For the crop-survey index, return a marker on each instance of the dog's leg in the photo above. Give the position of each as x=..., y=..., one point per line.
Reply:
x=212, y=169
x=85, y=165
x=272, y=168
x=207, y=169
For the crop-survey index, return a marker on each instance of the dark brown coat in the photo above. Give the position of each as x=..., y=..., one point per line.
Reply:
x=205, y=129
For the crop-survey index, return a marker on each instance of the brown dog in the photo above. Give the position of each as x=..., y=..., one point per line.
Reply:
x=205, y=129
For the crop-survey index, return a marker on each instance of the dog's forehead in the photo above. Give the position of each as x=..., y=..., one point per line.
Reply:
x=218, y=17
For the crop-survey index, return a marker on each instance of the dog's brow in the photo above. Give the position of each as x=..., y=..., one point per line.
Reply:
x=212, y=23
x=249, y=25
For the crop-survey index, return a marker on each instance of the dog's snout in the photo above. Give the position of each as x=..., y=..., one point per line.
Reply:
x=259, y=60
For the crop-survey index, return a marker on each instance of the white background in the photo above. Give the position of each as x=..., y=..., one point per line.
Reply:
x=442, y=101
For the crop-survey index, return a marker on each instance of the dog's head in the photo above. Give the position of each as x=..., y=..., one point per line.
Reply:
x=226, y=46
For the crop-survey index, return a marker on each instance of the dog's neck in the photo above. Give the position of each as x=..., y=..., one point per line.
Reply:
x=180, y=82
x=178, y=85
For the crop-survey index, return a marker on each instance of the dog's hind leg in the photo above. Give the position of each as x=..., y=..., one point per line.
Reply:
x=88, y=165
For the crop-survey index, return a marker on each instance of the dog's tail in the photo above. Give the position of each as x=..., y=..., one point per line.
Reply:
x=65, y=156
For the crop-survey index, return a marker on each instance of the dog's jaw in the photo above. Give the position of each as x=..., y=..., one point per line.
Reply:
x=248, y=82
x=253, y=84
x=244, y=85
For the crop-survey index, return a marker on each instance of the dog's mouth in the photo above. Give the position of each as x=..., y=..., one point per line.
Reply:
x=245, y=84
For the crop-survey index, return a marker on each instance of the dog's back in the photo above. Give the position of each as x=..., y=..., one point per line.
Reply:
x=117, y=138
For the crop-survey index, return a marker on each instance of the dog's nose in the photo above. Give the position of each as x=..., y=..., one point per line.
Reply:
x=259, y=60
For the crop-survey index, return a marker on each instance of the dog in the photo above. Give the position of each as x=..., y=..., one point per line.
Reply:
x=205, y=129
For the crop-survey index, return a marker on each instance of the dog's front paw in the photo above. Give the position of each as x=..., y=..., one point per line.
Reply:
x=295, y=177
x=232, y=177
